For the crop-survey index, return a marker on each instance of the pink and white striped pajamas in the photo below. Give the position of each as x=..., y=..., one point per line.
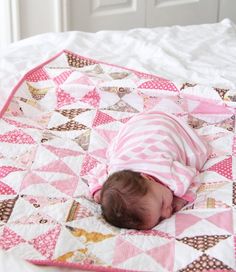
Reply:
x=160, y=145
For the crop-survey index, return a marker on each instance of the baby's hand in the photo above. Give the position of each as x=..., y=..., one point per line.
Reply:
x=97, y=196
x=178, y=203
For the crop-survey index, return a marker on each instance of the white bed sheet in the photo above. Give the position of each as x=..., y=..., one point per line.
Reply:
x=204, y=54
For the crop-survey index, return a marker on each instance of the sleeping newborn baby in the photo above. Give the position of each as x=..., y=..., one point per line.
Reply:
x=151, y=171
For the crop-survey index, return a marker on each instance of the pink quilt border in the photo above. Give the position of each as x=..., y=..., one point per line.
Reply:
x=88, y=267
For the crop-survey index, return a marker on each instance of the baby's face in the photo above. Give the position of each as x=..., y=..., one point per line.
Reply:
x=158, y=201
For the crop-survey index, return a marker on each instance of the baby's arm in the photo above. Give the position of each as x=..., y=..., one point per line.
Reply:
x=190, y=195
x=95, y=179
x=97, y=196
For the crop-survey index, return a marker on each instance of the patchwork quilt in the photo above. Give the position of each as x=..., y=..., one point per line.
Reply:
x=55, y=128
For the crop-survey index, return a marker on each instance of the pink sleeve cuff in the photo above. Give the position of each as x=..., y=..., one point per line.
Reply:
x=95, y=189
x=189, y=196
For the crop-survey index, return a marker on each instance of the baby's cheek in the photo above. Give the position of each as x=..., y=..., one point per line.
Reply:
x=153, y=219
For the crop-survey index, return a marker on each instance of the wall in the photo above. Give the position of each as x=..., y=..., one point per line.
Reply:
x=6, y=23
x=20, y=19
x=227, y=8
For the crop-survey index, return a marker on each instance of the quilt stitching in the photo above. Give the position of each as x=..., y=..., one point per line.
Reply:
x=57, y=128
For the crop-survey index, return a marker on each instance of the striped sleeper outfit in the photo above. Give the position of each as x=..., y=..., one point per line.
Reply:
x=160, y=145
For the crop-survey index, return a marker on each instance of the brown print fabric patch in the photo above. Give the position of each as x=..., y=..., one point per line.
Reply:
x=77, y=211
x=6, y=207
x=206, y=263
x=72, y=113
x=83, y=140
x=221, y=92
x=227, y=124
x=118, y=76
x=203, y=242
x=47, y=136
x=122, y=106
x=78, y=62
x=37, y=94
x=72, y=125
x=234, y=194
x=187, y=85
x=120, y=91
x=196, y=123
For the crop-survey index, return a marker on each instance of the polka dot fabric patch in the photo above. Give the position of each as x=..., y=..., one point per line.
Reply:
x=159, y=84
x=223, y=168
x=37, y=75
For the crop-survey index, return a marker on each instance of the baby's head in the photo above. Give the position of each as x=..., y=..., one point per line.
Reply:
x=136, y=201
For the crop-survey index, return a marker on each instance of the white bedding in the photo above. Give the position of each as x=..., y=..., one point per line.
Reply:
x=204, y=54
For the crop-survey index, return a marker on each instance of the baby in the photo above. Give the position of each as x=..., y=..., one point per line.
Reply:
x=151, y=171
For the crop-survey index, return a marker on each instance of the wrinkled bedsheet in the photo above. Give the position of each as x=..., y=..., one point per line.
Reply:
x=56, y=127
x=200, y=62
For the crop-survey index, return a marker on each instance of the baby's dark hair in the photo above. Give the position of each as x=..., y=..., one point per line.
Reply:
x=121, y=199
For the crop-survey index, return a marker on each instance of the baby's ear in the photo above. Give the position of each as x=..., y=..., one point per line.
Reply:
x=97, y=196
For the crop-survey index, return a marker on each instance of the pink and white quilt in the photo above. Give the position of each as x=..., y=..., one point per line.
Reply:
x=56, y=127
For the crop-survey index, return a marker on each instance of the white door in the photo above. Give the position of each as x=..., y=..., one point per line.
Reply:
x=181, y=12
x=97, y=15
x=228, y=10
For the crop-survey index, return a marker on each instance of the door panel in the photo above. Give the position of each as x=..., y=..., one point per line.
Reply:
x=181, y=12
x=94, y=15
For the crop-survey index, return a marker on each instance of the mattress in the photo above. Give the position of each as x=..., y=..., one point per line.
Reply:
x=63, y=98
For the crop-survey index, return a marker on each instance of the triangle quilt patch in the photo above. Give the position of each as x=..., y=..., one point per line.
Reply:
x=159, y=84
x=224, y=224
x=92, y=98
x=16, y=137
x=64, y=98
x=10, y=239
x=223, y=168
x=124, y=250
x=37, y=93
x=37, y=75
x=184, y=221
x=203, y=242
x=78, y=61
x=46, y=242
x=102, y=118
x=71, y=113
x=159, y=255
x=5, y=189
x=6, y=170
x=122, y=106
x=56, y=166
x=61, y=78
x=206, y=262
